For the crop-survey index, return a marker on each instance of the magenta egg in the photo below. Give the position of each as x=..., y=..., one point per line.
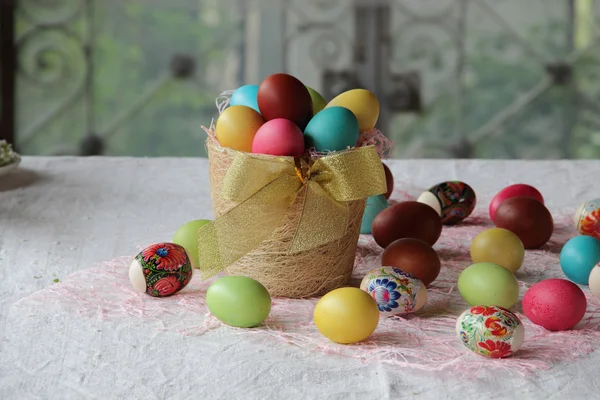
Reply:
x=555, y=304
x=279, y=137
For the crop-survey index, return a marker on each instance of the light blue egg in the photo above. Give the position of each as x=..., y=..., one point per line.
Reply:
x=578, y=257
x=332, y=129
x=245, y=96
x=375, y=205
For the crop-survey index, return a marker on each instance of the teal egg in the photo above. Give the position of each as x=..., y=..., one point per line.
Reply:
x=245, y=96
x=578, y=257
x=332, y=129
x=375, y=205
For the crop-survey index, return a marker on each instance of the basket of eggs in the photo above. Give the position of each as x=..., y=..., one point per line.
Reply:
x=289, y=176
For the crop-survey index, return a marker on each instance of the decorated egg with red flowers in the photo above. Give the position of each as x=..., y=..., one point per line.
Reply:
x=161, y=270
x=587, y=218
x=490, y=331
x=452, y=200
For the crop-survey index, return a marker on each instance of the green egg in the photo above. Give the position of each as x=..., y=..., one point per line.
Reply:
x=318, y=101
x=187, y=237
x=375, y=205
x=239, y=301
x=488, y=284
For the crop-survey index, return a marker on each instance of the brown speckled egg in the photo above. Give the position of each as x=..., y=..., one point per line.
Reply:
x=408, y=219
x=527, y=218
x=413, y=256
x=283, y=96
x=389, y=180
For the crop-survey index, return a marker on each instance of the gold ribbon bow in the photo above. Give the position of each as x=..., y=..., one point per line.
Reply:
x=265, y=188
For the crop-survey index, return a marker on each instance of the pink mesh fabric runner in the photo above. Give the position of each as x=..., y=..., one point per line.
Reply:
x=423, y=341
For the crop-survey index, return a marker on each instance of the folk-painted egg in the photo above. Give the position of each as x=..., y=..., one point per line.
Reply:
x=456, y=200
x=395, y=291
x=160, y=270
x=279, y=137
x=555, y=304
x=245, y=96
x=578, y=256
x=587, y=219
x=284, y=96
x=237, y=126
x=363, y=104
x=375, y=205
x=318, y=101
x=238, y=301
x=490, y=331
x=488, y=284
x=333, y=129
x=346, y=315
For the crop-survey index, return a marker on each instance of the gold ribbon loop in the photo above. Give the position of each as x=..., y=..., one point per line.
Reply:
x=265, y=188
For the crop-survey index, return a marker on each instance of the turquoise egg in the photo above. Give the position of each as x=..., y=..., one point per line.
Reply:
x=245, y=96
x=578, y=257
x=333, y=129
x=375, y=205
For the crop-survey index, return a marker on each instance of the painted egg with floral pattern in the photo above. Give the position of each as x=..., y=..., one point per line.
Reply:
x=395, y=291
x=456, y=200
x=161, y=270
x=587, y=219
x=490, y=331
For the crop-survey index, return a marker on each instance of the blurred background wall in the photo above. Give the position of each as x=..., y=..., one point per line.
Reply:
x=456, y=78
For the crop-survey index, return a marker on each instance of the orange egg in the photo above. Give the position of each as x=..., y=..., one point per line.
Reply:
x=237, y=126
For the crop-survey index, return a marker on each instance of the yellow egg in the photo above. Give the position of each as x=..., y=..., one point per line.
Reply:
x=346, y=315
x=237, y=126
x=362, y=103
x=498, y=246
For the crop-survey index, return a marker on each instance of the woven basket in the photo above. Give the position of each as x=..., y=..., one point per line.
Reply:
x=294, y=275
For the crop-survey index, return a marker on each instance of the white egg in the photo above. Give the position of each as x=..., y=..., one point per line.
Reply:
x=432, y=201
x=594, y=281
x=136, y=276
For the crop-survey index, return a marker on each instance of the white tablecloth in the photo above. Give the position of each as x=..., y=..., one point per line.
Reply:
x=59, y=215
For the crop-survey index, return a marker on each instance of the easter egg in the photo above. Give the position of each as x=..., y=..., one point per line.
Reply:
x=488, y=284
x=389, y=181
x=363, y=104
x=407, y=219
x=518, y=190
x=279, y=137
x=587, y=219
x=594, y=281
x=578, y=256
x=457, y=200
x=375, y=204
x=490, y=331
x=318, y=101
x=237, y=126
x=187, y=237
x=498, y=246
x=346, y=315
x=395, y=291
x=245, y=96
x=555, y=304
x=431, y=200
x=333, y=129
x=413, y=256
x=527, y=218
x=283, y=96
x=160, y=270
x=238, y=301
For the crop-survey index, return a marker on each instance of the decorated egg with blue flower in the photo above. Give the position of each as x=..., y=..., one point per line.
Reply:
x=395, y=291
x=161, y=270
x=490, y=331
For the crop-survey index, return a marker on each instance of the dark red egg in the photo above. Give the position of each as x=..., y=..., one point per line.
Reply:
x=413, y=256
x=517, y=190
x=527, y=218
x=408, y=219
x=389, y=180
x=283, y=96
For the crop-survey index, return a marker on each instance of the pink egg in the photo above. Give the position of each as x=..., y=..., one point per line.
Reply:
x=555, y=304
x=279, y=137
x=519, y=189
